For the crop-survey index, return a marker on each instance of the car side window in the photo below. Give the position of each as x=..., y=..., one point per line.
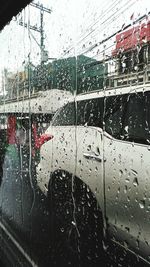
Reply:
x=65, y=116
x=114, y=114
x=90, y=112
x=136, y=124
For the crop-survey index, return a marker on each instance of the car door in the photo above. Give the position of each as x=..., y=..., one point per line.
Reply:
x=127, y=171
x=89, y=140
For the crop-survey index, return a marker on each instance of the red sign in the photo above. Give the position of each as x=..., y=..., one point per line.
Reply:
x=131, y=38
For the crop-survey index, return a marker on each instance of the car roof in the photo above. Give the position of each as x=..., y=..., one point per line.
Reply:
x=111, y=92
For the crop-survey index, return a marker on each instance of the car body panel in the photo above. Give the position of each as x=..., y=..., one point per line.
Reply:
x=127, y=172
x=117, y=171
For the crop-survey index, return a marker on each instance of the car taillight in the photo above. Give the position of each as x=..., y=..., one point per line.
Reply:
x=42, y=139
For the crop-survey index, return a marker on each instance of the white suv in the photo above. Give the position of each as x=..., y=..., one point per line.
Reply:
x=96, y=172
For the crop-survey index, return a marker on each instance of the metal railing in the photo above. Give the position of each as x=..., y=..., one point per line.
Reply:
x=128, y=79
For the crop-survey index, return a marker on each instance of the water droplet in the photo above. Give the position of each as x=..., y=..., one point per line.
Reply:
x=135, y=182
x=120, y=173
x=89, y=148
x=73, y=223
x=114, y=160
x=127, y=229
x=96, y=169
x=89, y=204
x=88, y=190
x=63, y=174
x=128, y=199
x=95, y=216
x=67, y=211
x=96, y=190
x=142, y=204
x=125, y=189
x=134, y=172
x=137, y=243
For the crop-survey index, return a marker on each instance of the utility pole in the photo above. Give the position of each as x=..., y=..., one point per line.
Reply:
x=42, y=9
x=44, y=54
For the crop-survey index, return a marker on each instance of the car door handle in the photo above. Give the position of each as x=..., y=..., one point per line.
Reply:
x=92, y=155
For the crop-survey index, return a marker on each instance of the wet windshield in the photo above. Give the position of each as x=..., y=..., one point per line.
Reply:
x=75, y=134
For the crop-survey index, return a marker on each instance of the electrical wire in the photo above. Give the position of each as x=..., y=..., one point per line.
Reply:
x=102, y=28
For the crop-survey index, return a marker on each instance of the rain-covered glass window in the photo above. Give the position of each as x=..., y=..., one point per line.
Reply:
x=75, y=135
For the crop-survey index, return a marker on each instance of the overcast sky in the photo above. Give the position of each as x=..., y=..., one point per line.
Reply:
x=73, y=27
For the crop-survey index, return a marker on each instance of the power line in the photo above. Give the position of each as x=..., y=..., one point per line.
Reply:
x=109, y=18
x=103, y=23
x=89, y=49
x=114, y=34
x=100, y=17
